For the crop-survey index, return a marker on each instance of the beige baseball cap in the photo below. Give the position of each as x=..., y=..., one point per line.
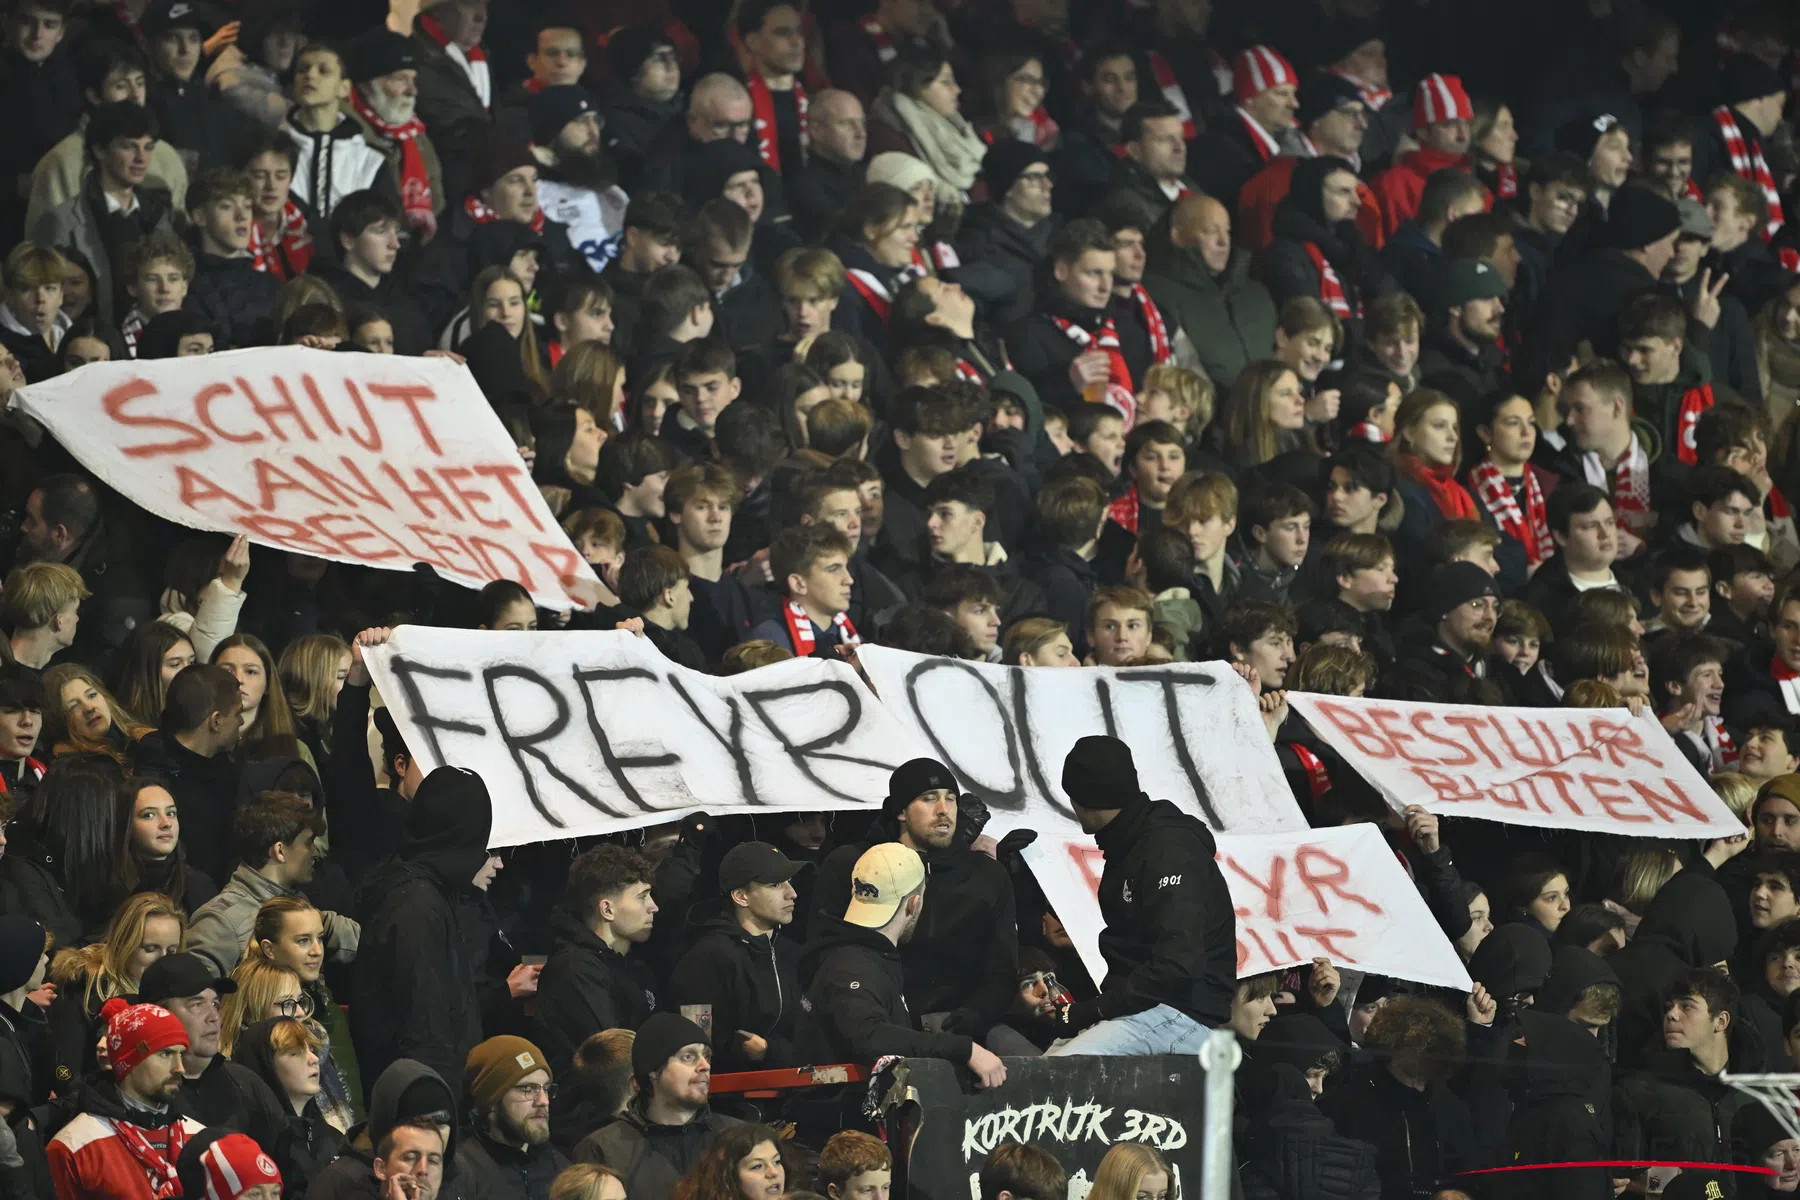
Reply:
x=884, y=876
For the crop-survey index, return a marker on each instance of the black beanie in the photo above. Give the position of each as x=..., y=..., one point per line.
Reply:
x=1455, y=584
x=661, y=1038
x=1639, y=217
x=497, y=156
x=631, y=47
x=912, y=779
x=1099, y=773
x=1006, y=160
x=21, y=945
x=1745, y=77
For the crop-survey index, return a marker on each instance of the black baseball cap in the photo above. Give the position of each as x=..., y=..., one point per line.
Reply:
x=755, y=862
x=177, y=976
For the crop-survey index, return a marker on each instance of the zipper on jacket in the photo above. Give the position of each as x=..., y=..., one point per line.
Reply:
x=780, y=1000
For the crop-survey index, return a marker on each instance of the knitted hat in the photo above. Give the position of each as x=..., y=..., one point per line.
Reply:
x=1256, y=70
x=1639, y=217
x=495, y=157
x=912, y=779
x=630, y=48
x=1322, y=93
x=886, y=874
x=554, y=107
x=217, y=1165
x=496, y=1065
x=1455, y=584
x=1466, y=279
x=661, y=1038
x=21, y=946
x=1745, y=77
x=134, y=1032
x=902, y=170
x=1005, y=161
x=1578, y=137
x=1441, y=98
x=1099, y=773
x=380, y=52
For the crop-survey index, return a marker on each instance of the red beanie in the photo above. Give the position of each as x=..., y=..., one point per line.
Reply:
x=1441, y=98
x=235, y=1164
x=1256, y=70
x=136, y=1031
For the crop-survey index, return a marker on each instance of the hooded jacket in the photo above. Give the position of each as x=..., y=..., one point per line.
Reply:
x=205, y=789
x=407, y=1088
x=1229, y=316
x=491, y=1170
x=1688, y=924
x=1299, y=220
x=632, y=123
x=750, y=983
x=221, y=928
x=855, y=1008
x=1421, y=1138
x=1562, y=1090
x=1513, y=960
x=653, y=1158
x=1400, y=188
x=1287, y=1150
x=306, y=1143
x=333, y=164
x=586, y=986
x=415, y=987
x=87, y=1157
x=992, y=239
x=1672, y=1110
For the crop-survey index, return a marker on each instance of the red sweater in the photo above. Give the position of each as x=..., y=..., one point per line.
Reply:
x=89, y=1162
x=1399, y=188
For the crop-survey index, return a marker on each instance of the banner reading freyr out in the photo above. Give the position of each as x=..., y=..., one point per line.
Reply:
x=372, y=459
x=1567, y=768
x=578, y=734
x=1194, y=730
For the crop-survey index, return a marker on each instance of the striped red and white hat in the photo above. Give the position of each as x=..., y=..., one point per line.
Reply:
x=1441, y=98
x=234, y=1164
x=1256, y=70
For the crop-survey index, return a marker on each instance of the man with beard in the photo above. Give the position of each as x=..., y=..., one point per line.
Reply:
x=834, y=169
x=575, y=184
x=856, y=1009
x=384, y=73
x=509, y=1154
x=127, y=1138
x=958, y=968
x=643, y=95
x=1462, y=351
x=1463, y=595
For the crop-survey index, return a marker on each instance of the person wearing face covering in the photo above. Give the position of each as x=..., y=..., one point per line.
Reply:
x=414, y=987
x=1317, y=250
x=1561, y=1092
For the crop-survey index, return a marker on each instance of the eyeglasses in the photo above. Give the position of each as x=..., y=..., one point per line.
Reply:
x=295, y=1006
x=531, y=1091
x=1039, y=178
x=1036, y=81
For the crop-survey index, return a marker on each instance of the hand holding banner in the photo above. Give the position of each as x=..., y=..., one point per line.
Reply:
x=370, y=459
x=1566, y=768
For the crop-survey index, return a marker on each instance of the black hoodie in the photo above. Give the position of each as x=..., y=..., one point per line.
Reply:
x=206, y=791
x=855, y=1007
x=1688, y=924
x=586, y=986
x=305, y=1143
x=406, y=1089
x=1300, y=219
x=752, y=986
x=1562, y=1089
x=415, y=987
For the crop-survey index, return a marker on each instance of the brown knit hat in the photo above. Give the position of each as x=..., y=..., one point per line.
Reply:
x=496, y=1065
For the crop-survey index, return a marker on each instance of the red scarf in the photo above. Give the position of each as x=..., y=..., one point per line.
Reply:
x=1530, y=526
x=1171, y=90
x=1692, y=191
x=1160, y=348
x=968, y=372
x=1748, y=161
x=1694, y=401
x=1318, y=779
x=1372, y=96
x=1265, y=143
x=1506, y=180
x=534, y=85
x=477, y=209
x=1724, y=751
x=477, y=72
x=29, y=767
x=1043, y=129
x=159, y=1165
x=884, y=45
x=872, y=290
x=1369, y=431
x=1106, y=338
x=1331, y=288
x=1124, y=511
x=415, y=180
x=1778, y=505
x=1780, y=672
x=1628, y=483
x=294, y=243
x=800, y=629
x=768, y=137
x=1451, y=498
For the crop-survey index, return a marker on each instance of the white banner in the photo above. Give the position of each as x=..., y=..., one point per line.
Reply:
x=1319, y=893
x=372, y=459
x=1194, y=730
x=1566, y=768
x=579, y=734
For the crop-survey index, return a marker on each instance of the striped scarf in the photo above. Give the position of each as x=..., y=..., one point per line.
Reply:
x=1529, y=526
x=1747, y=160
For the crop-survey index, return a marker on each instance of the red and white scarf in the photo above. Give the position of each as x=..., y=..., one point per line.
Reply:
x=132, y=328
x=800, y=629
x=1628, y=484
x=292, y=252
x=1694, y=401
x=1529, y=526
x=884, y=45
x=29, y=768
x=474, y=61
x=872, y=290
x=1373, y=97
x=1506, y=180
x=478, y=210
x=160, y=1174
x=1161, y=350
x=1719, y=744
x=1262, y=139
x=1691, y=191
x=1369, y=431
x=768, y=137
x=1118, y=376
x=942, y=257
x=1331, y=288
x=1042, y=128
x=968, y=372
x=1123, y=512
x=1172, y=92
x=415, y=181
x=1748, y=161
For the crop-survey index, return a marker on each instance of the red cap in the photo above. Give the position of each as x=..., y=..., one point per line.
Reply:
x=1441, y=98
x=235, y=1164
x=136, y=1031
x=1256, y=70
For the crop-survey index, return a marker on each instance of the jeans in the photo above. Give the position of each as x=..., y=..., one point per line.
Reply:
x=1160, y=1030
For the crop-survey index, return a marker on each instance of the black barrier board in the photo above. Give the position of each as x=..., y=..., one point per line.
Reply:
x=1077, y=1108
